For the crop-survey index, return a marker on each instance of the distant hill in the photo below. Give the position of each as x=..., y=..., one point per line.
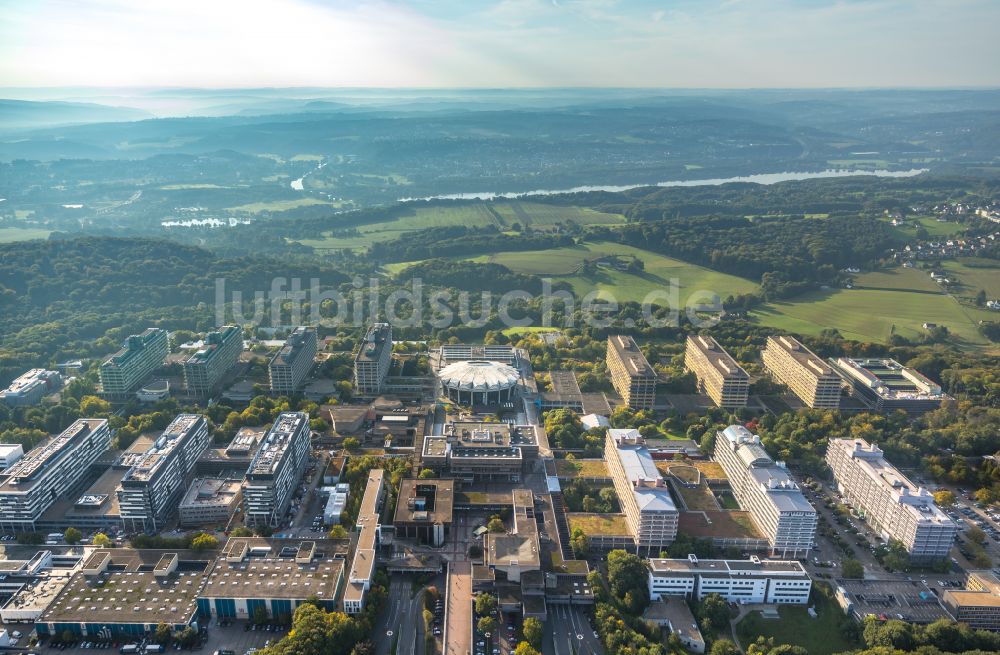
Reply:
x=20, y=114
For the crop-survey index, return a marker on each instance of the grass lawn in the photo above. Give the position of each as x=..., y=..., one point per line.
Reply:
x=698, y=499
x=708, y=468
x=599, y=524
x=563, y=263
x=279, y=205
x=934, y=227
x=12, y=234
x=718, y=524
x=583, y=468
x=528, y=329
x=974, y=274
x=819, y=636
x=728, y=501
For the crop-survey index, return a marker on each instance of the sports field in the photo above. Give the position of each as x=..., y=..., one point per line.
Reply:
x=12, y=234
x=694, y=282
x=899, y=301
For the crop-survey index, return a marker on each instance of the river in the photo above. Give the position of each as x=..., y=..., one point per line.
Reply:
x=761, y=178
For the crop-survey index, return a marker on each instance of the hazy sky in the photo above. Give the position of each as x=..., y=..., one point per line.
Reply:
x=505, y=43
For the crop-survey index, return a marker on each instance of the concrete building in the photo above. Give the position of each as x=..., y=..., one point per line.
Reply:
x=336, y=503
x=515, y=554
x=885, y=385
x=359, y=581
x=806, y=375
x=29, y=388
x=673, y=614
x=737, y=581
x=232, y=461
x=372, y=361
x=718, y=374
x=10, y=454
x=479, y=382
x=209, y=501
x=890, y=502
x=140, y=355
x=632, y=376
x=645, y=500
x=292, y=363
x=978, y=605
x=50, y=471
x=156, y=478
x=461, y=352
x=475, y=451
x=424, y=510
x=276, y=470
x=767, y=491
x=205, y=368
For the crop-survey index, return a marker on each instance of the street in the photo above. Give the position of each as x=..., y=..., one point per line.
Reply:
x=567, y=631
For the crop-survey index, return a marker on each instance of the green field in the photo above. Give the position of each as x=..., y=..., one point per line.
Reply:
x=934, y=227
x=974, y=274
x=897, y=301
x=501, y=215
x=279, y=205
x=819, y=636
x=564, y=264
x=12, y=234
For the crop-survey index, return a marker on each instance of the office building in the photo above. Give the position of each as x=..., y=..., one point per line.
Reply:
x=139, y=356
x=476, y=451
x=29, y=388
x=372, y=361
x=336, y=503
x=806, y=375
x=631, y=375
x=424, y=510
x=209, y=501
x=292, y=363
x=978, y=605
x=157, y=477
x=206, y=367
x=718, y=374
x=359, y=581
x=517, y=553
x=50, y=471
x=885, y=385
x=461, y=352
x=737, y=581
x=276, y=470
x=234, y=459
x=649, y=509
x=891, y=504
x=766, y=490
x=10, y=454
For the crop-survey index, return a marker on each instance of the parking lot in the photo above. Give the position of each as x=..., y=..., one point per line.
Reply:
x=234, y=637
x=908, y=600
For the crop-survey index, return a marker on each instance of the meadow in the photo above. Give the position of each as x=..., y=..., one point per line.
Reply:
x=12, y=234
x=973, y=274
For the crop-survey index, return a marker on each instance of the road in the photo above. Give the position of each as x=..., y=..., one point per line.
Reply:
x=399, y=620
x=458, y=610
x=568, y=632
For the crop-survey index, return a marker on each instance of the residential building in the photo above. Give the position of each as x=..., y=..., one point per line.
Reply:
x=885, y=385
x=292, y=363
x=276, y=470
x=766, y=490
x=737, y=581
x=209, y=501
x=363, y=563
x=645, y=500
x=140, y=355
x=978, y=605
x=632, y=376
x=424, y=510
x=156, y=478
x=890, y=502
x=207, y=366
x=50, y=471
x=29, y=388
x=718, y=374
x=10, y=453
x=372, y=361
x=806, y=375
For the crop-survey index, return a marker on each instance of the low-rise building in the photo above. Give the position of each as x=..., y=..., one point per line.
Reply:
x=885, y=385
x=978, y=605
x=424, y=510
x=209, y=501
x=737, y=581
x=673, y=614
x=336, y=503
x=10, y=453
x=509, y=556
x=473, y=450
x=718, y=374
x=362, y=570
x=30, y=387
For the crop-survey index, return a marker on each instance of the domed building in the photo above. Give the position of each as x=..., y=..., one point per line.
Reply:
x=479, y=382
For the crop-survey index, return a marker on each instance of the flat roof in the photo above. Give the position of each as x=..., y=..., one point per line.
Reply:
x=628, y=352
x=294, y=345
x=800, y=354
x=210, y=491
x=272, y=452
x=22, y=475
x=717, y=356
x=889, y=379
x=728, y=566
x=425, y=501
x=132, y=346
x=27, y=380
x=376, y=339
x=213, y=342
x=648, y=487
x=143, y=467
x=275, y=576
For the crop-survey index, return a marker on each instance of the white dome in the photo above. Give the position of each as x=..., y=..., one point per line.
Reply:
x=478, y=375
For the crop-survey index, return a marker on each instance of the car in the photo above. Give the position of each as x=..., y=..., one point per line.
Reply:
x=595, y=635
x=15, y=634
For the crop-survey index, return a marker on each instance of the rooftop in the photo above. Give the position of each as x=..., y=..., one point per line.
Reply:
x=132, y=346
x=783, y=492
x=630, y=355
x=21, y=475
x=800, y=354
x=479, y=375
x=210, y=491
x=378, y=337
x=753, y=565
x=717, y=357
x=213, y=341
x=275, y=573
x=648, y=487
x=425, y=501
x=889, y=379
x=143, y=467
x=272, y=452
x=27, y=380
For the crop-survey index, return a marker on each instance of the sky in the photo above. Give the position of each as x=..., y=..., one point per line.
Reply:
x=500, y=43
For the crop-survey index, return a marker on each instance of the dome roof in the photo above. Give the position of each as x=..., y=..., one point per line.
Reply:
x=478, y=375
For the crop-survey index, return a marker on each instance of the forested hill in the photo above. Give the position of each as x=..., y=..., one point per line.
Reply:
x=82, y=296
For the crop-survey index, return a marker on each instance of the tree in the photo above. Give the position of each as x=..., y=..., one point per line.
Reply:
x=852, y=568
x=187, y=637
x=724, y=647
x=487, y=624
x=984, y=495
x=241, y=531
x=102, y=540
x=628, y=574
x=944, y=498
x=524, y=648
x=975, y=535
x=579, y=543
x=486, y=604
x=365, y=647
x=533, y=632
x=713, y=609
x=496, y=525
x=163, y=634
x=475, y=551
x=92, y=406
x=427, y=474
x=981, y=298
x=72, y=536
x=203, y=541
x=337, y=532
x=260, y=615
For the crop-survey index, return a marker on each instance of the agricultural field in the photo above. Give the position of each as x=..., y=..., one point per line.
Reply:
x=279, y=205
x=934, y=227
x=973, y=274
x=566, y=264
x=12, y=234
x=898, y=301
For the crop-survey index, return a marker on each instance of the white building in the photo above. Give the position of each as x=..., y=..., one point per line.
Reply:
x=765, y=489
x=276, y=469
x=359, y=580
x=292, y=363
x=891, y=503
x=336, y=503
x=649, y=509
x=29, y=388
x=10, y=453
x=737, y=581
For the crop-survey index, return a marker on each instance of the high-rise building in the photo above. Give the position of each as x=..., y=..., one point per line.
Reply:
x=371, y=362
x=737, y=581
x=155, y=479
x=767, y=492
x=649, y=509
x=140, y=355
x=29, y=388
x=49, y=472
x=221, y=352
x=290, y=365
x=798, y=368
x=276, y=469
x=719, y=376
x=891, y=504
x=885, y=385
x=632, y=376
